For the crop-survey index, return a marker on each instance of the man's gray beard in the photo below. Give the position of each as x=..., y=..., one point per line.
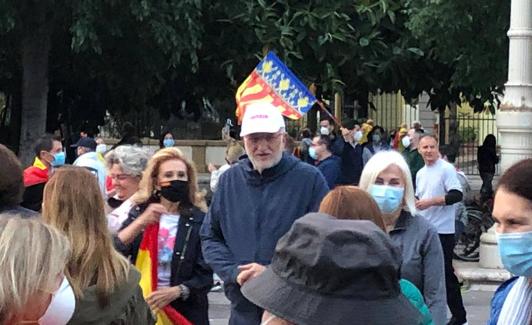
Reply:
x=274, y=162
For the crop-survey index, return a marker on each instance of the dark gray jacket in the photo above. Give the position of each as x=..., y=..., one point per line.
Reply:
x=422, y=261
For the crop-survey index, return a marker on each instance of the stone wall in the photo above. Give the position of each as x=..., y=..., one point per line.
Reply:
x=202, y=152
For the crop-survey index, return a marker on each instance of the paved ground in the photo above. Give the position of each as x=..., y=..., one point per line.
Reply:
x=476, y=302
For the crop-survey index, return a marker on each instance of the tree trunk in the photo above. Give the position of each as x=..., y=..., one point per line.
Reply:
x=454, y=138
x=35, y=53
x=442, y=126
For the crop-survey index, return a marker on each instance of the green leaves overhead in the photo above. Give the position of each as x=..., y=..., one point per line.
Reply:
x=121, y=55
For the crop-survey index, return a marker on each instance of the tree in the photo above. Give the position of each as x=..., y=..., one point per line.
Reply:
x=169, y=28
x=466, y=49
x=469, y=40
x=117, y=56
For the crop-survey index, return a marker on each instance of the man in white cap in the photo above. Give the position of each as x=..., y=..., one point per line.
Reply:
x=256, y=203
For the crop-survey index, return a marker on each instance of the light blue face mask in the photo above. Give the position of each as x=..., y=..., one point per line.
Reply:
x=516, y=252
x=312, y=153
x=168, y=142
x=388, y=198
x=59, y=159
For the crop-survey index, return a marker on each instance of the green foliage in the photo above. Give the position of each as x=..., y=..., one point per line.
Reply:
x=140, y=55
x=469, y=39
x=467, y=134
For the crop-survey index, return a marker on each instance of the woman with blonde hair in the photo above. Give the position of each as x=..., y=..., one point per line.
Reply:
x=105, y=285
x=33, y=288
x=386, y=177
x=161, y=236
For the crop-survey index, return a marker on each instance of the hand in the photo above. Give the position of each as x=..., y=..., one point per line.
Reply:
x=211, y=168
x=347, y=134
x=111, y=193
x=423, y=204
x=249, y=271
x=162, y=297
x=152, y=214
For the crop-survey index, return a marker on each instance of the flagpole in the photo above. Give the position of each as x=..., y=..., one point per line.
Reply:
x=324, y=109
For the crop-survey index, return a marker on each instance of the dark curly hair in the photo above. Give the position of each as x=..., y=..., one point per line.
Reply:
x=11, y=181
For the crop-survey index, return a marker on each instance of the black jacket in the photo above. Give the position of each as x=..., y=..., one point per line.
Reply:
x=188, y=266
x=352, y=164
x=487, y=159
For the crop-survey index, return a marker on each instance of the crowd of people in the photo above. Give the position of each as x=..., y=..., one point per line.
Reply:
x=357, y=228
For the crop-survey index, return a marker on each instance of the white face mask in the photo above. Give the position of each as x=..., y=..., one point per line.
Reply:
x=101, y=148
x=272, y=317
x=62, y=306
x=358, y=136
x=406, y=141
x=324, y=131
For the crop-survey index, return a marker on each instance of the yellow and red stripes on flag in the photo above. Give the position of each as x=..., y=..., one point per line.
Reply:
x=273, y=82
x=146, y=263
x=255, y=89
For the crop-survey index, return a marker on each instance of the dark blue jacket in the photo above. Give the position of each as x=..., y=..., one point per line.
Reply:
x=248, y=214
x=337, y=145
x=330, y=168
x=498, y=300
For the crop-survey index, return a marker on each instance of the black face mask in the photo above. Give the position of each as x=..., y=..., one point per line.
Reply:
x=177, y=191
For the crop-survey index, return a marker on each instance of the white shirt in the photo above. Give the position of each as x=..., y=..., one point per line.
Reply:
x=168, y=225
x=116, y=218
x=433, y=181
x=215, y=176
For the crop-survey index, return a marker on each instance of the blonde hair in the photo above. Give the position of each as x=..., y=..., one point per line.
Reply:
x=72, y=203
x=32, y=256
x=379, y=162
x=233, y=151
x=149, y=177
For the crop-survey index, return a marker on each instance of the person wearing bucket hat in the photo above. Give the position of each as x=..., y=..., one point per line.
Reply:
x=257, y=201
x=335, y=272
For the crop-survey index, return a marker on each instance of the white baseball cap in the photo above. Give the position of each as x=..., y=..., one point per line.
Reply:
x=261, y=117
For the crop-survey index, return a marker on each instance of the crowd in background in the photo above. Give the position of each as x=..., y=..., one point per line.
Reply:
x=352, y=225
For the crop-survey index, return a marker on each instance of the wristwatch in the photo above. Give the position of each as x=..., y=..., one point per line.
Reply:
x=185, y=292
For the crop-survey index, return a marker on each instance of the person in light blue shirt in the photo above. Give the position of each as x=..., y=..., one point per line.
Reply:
x=89, y=159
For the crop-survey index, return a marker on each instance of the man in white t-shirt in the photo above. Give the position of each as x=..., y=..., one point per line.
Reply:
x=437, y=191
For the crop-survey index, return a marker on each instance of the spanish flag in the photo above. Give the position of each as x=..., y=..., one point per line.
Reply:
x=147, y=265
x=271, y=81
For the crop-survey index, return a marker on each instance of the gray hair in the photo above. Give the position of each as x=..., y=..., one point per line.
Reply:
x=379, y=162
x=131, y=159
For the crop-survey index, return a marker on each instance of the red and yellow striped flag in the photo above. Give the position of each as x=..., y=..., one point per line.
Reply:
x=147, y=265
x=271, y=81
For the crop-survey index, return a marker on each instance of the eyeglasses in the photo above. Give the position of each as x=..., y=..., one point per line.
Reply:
x=119, y=177
x=257, y=137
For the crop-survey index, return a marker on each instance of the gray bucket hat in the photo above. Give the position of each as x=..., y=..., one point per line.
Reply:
x=335, y=272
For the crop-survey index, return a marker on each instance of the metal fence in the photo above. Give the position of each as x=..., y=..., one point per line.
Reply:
x=390, y=111
x=472, y=129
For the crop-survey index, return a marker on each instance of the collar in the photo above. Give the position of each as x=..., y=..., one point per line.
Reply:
x=39, y=164
x=405, y=218
x=325, y=158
